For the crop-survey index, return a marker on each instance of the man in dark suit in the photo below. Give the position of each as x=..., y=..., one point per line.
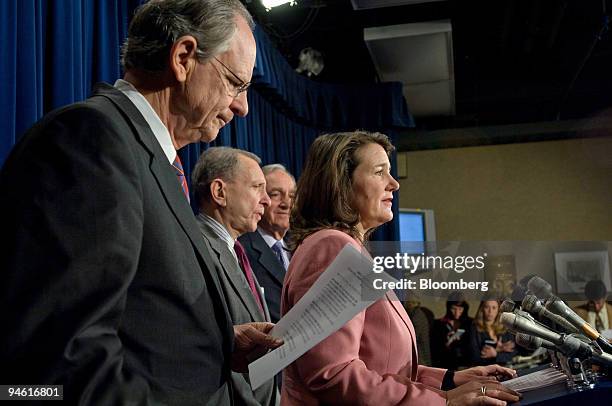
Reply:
x=266, y=247
x=107, y=286
x=230, y=190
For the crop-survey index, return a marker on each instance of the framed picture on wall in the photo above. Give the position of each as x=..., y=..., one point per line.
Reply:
x=575, y=269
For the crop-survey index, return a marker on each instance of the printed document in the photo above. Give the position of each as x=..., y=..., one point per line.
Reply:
x=343, y=290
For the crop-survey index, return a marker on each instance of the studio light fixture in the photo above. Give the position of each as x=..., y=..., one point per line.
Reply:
x=268, y=4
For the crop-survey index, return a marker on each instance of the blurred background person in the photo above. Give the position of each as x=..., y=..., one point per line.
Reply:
x=449, y=334
x=596, y=311
x=489, y=341
x=267, y=248
x=344, y=193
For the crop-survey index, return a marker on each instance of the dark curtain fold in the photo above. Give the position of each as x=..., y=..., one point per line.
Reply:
x=54, y=51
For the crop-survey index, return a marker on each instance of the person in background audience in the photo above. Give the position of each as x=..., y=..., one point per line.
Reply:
x=344, y=193
x=449, y=334
x=267, y=247
x=230, y=190
x=489, y=341
x=422, y=328
x=596, y=311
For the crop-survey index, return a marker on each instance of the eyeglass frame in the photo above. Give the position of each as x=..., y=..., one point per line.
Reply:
x=243, y=87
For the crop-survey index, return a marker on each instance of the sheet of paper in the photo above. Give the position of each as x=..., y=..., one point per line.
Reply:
x=535, y=380
x=337, y=296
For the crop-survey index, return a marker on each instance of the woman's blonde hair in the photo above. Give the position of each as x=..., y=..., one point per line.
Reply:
x=497, y=326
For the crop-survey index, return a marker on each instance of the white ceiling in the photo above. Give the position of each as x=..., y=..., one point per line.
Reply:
x=420, y=55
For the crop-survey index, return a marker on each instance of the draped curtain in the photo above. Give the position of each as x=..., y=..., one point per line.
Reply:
x=53, y=51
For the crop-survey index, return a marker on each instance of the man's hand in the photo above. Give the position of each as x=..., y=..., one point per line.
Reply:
x=251, y=341
x=472, y=394
x=481, y=374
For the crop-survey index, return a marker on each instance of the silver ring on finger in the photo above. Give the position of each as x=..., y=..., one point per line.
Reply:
x=483, y=390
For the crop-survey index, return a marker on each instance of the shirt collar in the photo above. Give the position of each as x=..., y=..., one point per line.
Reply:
x=269, y=238
x=219, y=230
x=144, y=107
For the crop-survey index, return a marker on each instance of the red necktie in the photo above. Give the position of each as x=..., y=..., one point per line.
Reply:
x=243, y=260
x=180, y=174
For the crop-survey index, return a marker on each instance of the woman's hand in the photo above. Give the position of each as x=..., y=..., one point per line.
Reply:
x=483, y=374
x=488, y=352
x=508, y=346
x=481, y=393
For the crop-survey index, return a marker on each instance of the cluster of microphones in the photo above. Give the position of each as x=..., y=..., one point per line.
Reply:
x=541, y=319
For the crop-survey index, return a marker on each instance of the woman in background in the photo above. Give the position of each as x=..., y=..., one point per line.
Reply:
x=489, y=341
x=449, y=334
x=344, y=193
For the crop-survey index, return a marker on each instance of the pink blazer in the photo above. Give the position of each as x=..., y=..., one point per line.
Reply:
x=371, y=360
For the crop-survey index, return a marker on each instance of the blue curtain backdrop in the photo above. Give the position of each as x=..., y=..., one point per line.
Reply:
x=53, y=51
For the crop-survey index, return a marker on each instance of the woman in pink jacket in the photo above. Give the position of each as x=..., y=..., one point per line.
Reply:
x=344, y=193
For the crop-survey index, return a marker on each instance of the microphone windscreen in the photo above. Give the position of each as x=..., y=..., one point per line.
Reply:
x=518, y=293
x=539, y=287
x=530, y=303
x=527, y=341
x=507, y=306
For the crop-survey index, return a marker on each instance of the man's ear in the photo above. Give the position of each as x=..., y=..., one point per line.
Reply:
x=183, y=57
x=218, y=192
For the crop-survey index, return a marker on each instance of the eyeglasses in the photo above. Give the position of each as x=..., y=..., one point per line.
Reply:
x=239, y=84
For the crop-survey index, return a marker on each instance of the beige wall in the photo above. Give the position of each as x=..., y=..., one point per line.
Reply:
x=553, y=190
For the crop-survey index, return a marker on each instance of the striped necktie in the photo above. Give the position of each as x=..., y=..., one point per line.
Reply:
x=180, y=174
x=278, y=250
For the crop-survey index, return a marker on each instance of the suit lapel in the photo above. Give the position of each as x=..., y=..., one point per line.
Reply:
x=163, y=174
x=266, y=257
x=232, y=272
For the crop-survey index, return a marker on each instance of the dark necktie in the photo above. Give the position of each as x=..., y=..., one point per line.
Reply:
x=180, y=174
x=278, y=250
x=599, y=326
x=243, y=260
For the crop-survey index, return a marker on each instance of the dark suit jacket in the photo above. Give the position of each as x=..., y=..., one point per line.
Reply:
x=270, y=273
x=243, y=309
x=107, y=286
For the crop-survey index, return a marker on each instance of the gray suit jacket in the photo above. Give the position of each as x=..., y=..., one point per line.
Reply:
x=243, y=308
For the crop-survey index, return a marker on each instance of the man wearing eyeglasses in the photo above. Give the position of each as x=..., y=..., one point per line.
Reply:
x=108, y=288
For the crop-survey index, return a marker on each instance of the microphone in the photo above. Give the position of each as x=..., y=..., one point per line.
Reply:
x=543, y=290
x=510, y=307
x=507, y=306
x=533, y=306
x=566, y=344
x=533, y=343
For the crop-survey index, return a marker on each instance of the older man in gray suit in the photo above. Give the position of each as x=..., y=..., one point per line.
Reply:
x=231, y=193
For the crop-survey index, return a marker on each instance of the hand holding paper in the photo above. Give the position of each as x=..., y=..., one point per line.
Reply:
x=335, y=298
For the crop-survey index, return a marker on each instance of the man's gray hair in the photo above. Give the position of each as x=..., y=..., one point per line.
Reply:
x=159, y=23
x=268, y=169
x=216, y=163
